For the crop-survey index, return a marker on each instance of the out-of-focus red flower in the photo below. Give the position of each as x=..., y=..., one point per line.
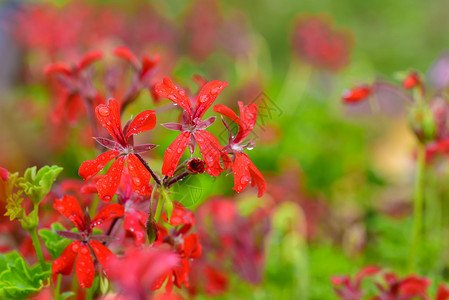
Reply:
x=122, y=148
x=186, y=246
x=84, y=241
x=348, y=288
x=407, y=288
x=357, y=94
x=244, y=170
x=412, y=80
x=319, y=44
x=4, y=175
x=193, y=128
x=139, y=269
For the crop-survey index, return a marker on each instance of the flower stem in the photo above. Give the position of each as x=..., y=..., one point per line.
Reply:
x=418, y=203
x=38, y=248
x=58, y=287
x=145, y=164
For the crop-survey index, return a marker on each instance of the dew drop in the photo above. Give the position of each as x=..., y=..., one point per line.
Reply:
x=103, y=111
x=136, y=181
x=84, y=250
x=75, y=247
x=107, y=198
x=250, y=148
x=179, y=150
x=244, y=180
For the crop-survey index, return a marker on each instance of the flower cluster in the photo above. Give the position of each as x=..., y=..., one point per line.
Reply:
x=390, y=286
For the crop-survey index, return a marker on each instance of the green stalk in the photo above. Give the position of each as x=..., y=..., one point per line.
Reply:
x=418, y=205
x=38, y=248
x=57, y=290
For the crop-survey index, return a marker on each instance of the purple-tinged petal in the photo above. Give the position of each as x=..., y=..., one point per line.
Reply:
x=107, y=143
x=173, y=126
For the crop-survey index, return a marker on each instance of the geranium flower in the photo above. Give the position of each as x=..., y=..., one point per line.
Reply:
x=348, y=288
x=146, y=266
x=4, y=175
x=357, y=93
x=319, y=44
x=122, y=148
x=84, y=241
x=186, y=246
x=244, y=170
x=193, y=127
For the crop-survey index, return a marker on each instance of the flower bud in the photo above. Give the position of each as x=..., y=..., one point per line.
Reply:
x=196, y=165
x=422, y=122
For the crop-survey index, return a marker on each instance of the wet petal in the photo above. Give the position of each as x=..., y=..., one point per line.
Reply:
x=210, y=149
x=64, y=264
x=107, y=186
x=144, y=121
x=103, y=254
x=207, y=96
x=167, y=89
x=109, y=117
x=69, y=207
x=108, y=212
x=140, y=176
x=174, y=152
x=85, y=267
x=91, y=167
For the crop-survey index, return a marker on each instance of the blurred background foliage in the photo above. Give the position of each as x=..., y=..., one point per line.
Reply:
x=340, y=183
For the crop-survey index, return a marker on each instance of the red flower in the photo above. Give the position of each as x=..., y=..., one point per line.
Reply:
x=122, y=148
x=319, y=44
x=350, y=289
x=4, y=175
x=143, y=67
x=409, y=287
x=193, y=127
x=186, y=246
x=412, y=80
x=357, y=94
x=145, y=266
x=84, y=242
x=244, y=170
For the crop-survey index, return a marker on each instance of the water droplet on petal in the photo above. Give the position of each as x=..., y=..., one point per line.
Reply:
x=103, y=111
x=107, y=198
x=179, y=150
x=136, y=181
x=244, y=180
x=75, y=247
x=84, y=250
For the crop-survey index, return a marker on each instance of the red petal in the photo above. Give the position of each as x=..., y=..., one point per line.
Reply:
x=442, y=293
x=91, y=167
x=411, y=81
x=174, y=152
x=240, y=169
x=133, y=224
x=109, y=117
x=210, y=149
x=192, y=247
x=110, y=211
x=257, y=179
x=167, y=89
x=4, y=175
x=148, y=64
x=58, y=67
x=140, y=176
x=64, y=264
x=125, y=53
x=85, y=267
x=366, y=271
x=69, y=207
x=248, y=115
x=226, y=111
x=107, y=186
x=144, y=121
x=88, y=59
x=207, y=96
x=357, y=94
x=103, y=254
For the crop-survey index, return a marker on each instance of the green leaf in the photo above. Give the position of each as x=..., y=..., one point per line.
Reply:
x=65, y=295
x=168, y=208
x=18, y=279
x=36, y=186
x=54, y=243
